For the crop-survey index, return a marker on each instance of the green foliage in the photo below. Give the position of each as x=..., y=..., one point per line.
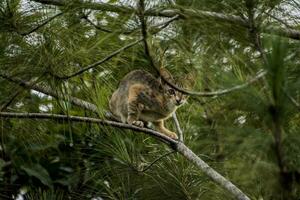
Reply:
x=236, y=133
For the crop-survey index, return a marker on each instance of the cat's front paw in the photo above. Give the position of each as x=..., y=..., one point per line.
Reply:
x=173, y=135
x=138, y=123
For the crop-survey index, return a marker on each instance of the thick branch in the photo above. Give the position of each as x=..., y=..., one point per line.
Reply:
x=183, y=13
x=151, y=132
x=178, y=146
x=216, y=177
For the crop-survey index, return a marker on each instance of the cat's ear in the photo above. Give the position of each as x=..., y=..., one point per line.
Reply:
x=190, y=79
x=166, y=74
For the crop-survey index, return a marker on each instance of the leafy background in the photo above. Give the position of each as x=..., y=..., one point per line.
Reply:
x=234, y=133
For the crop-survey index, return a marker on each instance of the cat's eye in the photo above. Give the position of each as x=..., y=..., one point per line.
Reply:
x=171, y=92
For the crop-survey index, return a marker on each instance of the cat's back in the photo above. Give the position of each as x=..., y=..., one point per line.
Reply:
x=139, y=77
x=132, y=85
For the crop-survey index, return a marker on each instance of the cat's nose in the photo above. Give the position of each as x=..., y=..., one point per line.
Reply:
x=178, y=101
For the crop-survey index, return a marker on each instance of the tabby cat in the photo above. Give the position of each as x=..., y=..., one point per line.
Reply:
x=142, y=98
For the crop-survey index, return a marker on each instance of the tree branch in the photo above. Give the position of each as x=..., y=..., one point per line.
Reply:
x=183, y=13
x=294, y=102
x=278, y=19
x=156, y=160
x=154, y=29
x=107, y=58
x=40, y=25
x=48, y=91
x=178, y=146
x=150, y=56
x=194, y=93
x=179, y=130
x=232, y=89
x=86, y=18
x=151, y=132
x=210, y=172
x=11, y=98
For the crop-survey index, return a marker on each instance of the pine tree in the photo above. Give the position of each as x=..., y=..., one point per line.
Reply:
x=60, y=59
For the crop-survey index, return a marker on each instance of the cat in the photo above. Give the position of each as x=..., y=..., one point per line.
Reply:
x=142, y=98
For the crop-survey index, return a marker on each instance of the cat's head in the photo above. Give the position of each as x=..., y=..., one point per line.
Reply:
x=174, y=96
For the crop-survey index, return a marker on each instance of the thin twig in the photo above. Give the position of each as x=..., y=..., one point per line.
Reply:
x=156, y=160
x=96, y=26
x=17, y=92
x=295, y=103
x=255, y=36
x=107, y=58
x=277, y=19
x=179, y=130
x=11, y=99
x=41, y=25
x=155, y=29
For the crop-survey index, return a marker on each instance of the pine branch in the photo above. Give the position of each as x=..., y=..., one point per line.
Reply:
x=151, y=132
x=86, y=18
x=183, y=13
x=176, y=145
x=156, y=160
x=278, y=19
x=48, y=91
x=153, y=63
x=107, y=58
x=154, y=30
x=210, y=172
x=97, y=26
x=179, y=146
x=11, y=98
x=294, y=102
x=158, y=27
x=40, y=25
x=224, y=91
